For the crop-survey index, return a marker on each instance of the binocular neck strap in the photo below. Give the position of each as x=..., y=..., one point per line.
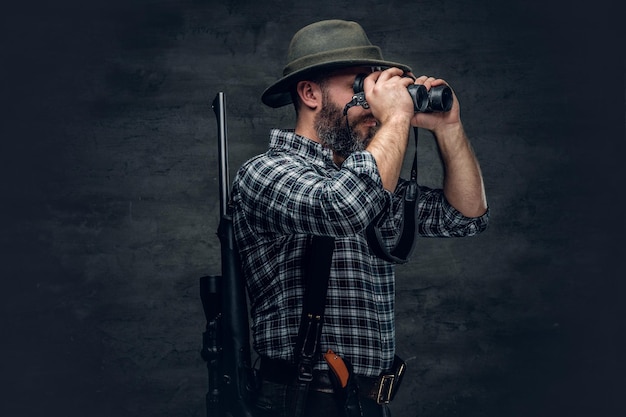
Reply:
x=405, y=244
x=403, y=247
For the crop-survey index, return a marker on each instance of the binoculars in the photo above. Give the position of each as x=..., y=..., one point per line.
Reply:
x=437, y=99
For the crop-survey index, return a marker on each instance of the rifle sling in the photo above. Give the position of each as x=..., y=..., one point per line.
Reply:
x=317, y=272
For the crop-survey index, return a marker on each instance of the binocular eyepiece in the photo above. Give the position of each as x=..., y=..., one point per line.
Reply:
x=437, y=99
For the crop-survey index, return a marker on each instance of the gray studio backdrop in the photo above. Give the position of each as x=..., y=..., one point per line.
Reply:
x=110, y=202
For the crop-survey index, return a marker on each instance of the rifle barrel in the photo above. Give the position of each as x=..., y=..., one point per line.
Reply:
x=219, y=106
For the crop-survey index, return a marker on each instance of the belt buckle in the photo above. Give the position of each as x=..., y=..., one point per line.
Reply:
x=385, y=388
x=305, y=373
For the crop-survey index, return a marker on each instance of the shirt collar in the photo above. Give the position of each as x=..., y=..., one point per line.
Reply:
x=288, y=140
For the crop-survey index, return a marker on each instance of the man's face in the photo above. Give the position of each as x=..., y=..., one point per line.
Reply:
x=343, y=136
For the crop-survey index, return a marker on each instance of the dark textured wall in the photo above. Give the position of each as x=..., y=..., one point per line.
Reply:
x=109, y=200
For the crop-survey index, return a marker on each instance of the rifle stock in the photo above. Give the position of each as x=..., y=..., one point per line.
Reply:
x=226, y=341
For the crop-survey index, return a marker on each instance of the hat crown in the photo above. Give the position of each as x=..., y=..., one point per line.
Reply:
x=328, y=40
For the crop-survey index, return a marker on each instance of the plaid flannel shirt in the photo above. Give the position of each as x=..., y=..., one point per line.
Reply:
x=295, y=190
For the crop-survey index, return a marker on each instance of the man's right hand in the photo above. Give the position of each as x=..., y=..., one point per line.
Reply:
x=392, y=106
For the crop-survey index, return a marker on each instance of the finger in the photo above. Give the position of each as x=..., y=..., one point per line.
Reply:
x=390, y=73
x=386, y=75
x=370, y=80
x=429, y=82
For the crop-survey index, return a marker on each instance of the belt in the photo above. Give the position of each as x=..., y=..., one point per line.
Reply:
x=381, y=389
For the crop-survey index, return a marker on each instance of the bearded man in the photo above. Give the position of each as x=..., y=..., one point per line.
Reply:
x=334, y=175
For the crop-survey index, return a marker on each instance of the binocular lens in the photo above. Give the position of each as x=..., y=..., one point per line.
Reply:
x=437, y=99
x=419, y=94
x=440, y=99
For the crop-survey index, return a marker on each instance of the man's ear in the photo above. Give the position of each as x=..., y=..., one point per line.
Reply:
x=310, y=94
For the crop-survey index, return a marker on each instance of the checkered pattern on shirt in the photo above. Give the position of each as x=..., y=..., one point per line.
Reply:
x=295, y=190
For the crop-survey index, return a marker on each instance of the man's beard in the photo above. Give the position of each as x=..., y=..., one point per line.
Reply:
x=333, y=130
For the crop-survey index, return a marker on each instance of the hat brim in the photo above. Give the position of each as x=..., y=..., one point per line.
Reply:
x=278, y=94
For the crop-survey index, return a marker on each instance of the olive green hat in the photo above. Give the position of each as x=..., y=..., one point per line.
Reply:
x=328, y=45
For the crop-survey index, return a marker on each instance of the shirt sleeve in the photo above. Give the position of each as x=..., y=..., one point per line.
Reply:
x=436, y=216
x=283, y=193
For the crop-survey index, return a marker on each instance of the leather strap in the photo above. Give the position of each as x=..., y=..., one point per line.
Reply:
x=405, y=244
x=317, y=273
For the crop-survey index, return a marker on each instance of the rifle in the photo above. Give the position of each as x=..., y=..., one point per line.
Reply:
x=226, y=340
